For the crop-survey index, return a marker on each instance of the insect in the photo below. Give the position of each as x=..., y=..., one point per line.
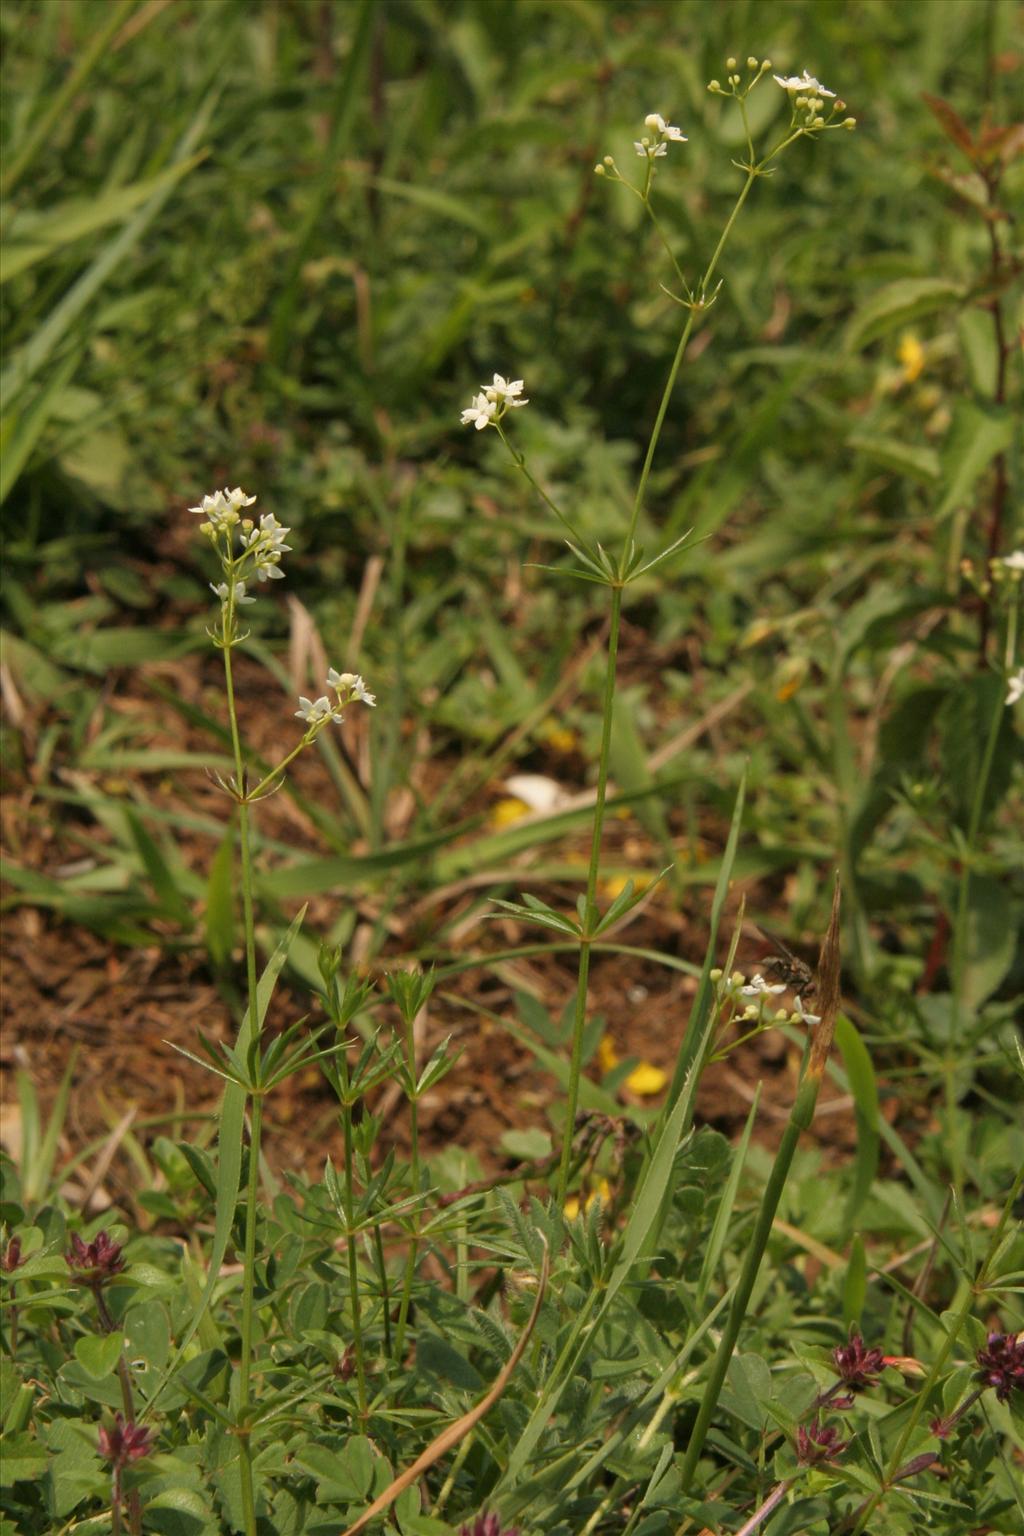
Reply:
x=788, y=968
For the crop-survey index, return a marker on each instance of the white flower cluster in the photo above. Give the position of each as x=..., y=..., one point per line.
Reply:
x=663, y=133
x=266, y=546
x=347, y=686
x=222, y=509
x=805, y=84
x=493, y=401
x=807, y=97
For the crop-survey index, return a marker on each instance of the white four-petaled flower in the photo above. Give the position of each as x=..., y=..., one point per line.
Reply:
x=502, y=391
x=221, y=508
x=480, y=414
x=315, y=711
x=758, y=987
x=667, y=133
x=352, y=684
x=657, y=123
x=805, y=83
x=223, y=592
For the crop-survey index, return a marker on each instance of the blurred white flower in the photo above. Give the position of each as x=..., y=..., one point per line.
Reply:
x=805, y=83
x=315, y=711
x=657, y=124
x=503, y=392
x=269, y=535
x=804, y=1016
x=221, y=508
x=351, y=684
x=1015, y=689
x=758, y=987
x=223, y=592
x=1014, y=562
x=480, y=414
x=648, y=151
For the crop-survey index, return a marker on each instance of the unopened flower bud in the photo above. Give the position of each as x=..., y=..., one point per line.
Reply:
x=124, y=1442
x=713, y=85
x=730, y=63
x=599, y=170
x=752, y=63
x=850, y=122
x=94, y=1263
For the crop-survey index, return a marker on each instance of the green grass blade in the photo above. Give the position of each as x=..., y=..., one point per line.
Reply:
x=719, y=1230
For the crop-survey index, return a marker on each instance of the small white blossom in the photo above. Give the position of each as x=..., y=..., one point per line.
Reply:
x=316, y=711
x=270, y=535
x=1014, y=562
x=221, y=508
x=804, y=1016
x=351, y=684
x=758, y=987
x=223, y=592
x=1015, y=688
x=649, y=151
x=480, y=414
x=504, y=392
x=657, y=124
x=805, y=83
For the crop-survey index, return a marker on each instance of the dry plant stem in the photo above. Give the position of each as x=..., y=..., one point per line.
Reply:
x=252, y=1191
x=895, y=1470
x=800, y=1119
x=771, y=1503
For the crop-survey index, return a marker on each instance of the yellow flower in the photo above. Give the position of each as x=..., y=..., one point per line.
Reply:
x=646, y=1080
x=602, y=1192
x=616, y=884
x=911, y=356
x=607, y=1055
x=507, y=811
x=558, y=736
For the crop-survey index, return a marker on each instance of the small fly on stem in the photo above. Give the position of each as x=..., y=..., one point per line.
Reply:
x=788, y=968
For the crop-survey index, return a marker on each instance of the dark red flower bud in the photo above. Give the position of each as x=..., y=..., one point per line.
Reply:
x=11, y=1258
x=856, y=1365
x=96, y=1262
x=122, y=1442
x=817, y=1442
x=1001, y=1364
x=488, y=1525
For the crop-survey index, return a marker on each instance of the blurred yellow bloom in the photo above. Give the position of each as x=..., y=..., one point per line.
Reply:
x=558, y=736
x=646, y=1080
x=790, y=676
x=602, y=1192
x=911, y=356
x=607, y=1056
x=508, y=811
x=616, y=884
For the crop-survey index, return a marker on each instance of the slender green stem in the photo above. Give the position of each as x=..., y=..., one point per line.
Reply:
x=248, y=1492
x=353, y=1267
x=959, y=956
x=800, y=1117
x=414, y=1178
x=677, y=361
x=520, y=463
x=953, y=1329
x=590, y=910
x=382, y=1277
